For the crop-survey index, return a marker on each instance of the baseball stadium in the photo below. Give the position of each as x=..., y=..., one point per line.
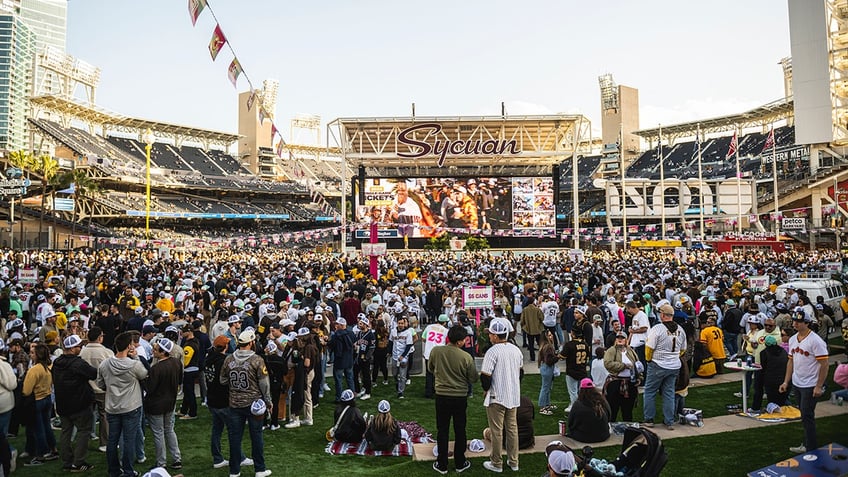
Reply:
x=420, y=294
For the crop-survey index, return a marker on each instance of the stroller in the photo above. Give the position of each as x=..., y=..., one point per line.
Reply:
x=642, y=455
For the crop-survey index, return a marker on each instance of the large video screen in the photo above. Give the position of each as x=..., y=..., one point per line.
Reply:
x=418, y=205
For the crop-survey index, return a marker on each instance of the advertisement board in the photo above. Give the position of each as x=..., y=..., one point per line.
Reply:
x=477, y=297
x=793, y=223
x=27, y=276
x=420, y=205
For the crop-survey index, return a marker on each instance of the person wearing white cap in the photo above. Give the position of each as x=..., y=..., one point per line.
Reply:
x=74, y=396
x=232, y=333
x=304, y=356
x=364, y=348
x=382, y=431
x=402, y=336
x=434, y=335
x=247, y=377
x=341, y=344
x=163, y=384
x=500, y=377
x=561, y=462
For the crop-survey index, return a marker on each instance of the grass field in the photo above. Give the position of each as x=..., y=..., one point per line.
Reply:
x=300, y=452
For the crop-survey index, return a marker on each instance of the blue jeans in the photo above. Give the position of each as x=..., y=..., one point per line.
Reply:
x=807, y=405
x=547, y=374
x=660, y=380
x=45, y=441
x=123, y=428
x=338, y=375
x=238, y=417
x=220, y=418
x=731, y=344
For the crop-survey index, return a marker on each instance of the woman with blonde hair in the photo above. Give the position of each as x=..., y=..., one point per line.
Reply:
x=383, y=431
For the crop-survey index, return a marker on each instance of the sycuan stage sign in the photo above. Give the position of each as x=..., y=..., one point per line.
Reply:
x=428, y=143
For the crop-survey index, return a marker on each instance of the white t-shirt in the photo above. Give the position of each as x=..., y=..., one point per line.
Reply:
x=550, y=310
x=805, y=358
x=599, y=373
x=400, y=340
x=503, y=363
x=434, y=335
x=640, y=319
x=666, y=345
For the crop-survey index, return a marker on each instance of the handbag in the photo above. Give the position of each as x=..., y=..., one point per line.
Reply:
x=331, y=432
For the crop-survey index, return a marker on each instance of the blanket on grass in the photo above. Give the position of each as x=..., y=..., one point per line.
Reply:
x=413, y=434
x=786, y=413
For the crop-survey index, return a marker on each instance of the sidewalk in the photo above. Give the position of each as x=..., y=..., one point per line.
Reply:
x=712, y=425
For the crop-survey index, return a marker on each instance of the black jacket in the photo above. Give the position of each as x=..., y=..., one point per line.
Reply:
x=217, y=394
x=382, y=441
x=71, y=375
x=163, y=384
x=585, y=426
x=351, y=429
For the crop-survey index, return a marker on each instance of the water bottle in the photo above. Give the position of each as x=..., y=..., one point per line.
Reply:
x=749, y=361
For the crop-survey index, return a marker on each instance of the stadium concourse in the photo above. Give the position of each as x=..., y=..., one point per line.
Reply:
x=50, y=298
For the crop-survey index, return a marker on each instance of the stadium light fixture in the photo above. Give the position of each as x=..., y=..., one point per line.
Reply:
x=148, y=139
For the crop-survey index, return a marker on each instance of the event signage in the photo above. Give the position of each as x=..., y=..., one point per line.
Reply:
x=28, y=276
x=442, y=148
x=793, y=223
x=374, y=249
x=477, y=297
x=13, y=186
x=720, y=197
x=833, y=267
x=758, y=283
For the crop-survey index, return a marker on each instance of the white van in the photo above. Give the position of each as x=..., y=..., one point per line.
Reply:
x=817, y=284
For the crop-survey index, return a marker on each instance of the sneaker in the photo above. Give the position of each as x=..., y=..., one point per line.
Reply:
x=306, y=422
x=670, y=427
x=360, y=393
x=546, y=411
x=187, y=418
x=50, y=456
x=488, y=465
x=437, y=469
x=236, y=475
x=326, y=387
x=13, y=462
x=648, y=424
x=408, y=382
x=177, y=465
x=400, y=396
x=553, y=407
x=264, y=473
x=463, y=468
x=221, y=464
x=798, y=450
x=568, y=409
x=737, y=394
x=514, y=467
x=140, y=460
x=295, y=423
x=247, y=462
x=274, y=427
x=385, y=383
x=84, y=467
x=24, y=455
x=93, y=437
x=102, y=448
x=34, y=462
x=365, y=397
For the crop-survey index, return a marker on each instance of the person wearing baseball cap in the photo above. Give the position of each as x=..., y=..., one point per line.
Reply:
x=350, y=425
x=560, y=459
x=232, y=333
x=341, y=344
x=807, y=371
x=191, y=361
x=247, y=378
x=383, y=432
x=217, y=400
x=500, y=377
x=364, y=342
x=588, y=420
x=163, y=384
x=664, y=346
x=74, y=396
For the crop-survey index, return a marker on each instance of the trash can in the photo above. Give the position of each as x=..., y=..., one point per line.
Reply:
x=417, y=364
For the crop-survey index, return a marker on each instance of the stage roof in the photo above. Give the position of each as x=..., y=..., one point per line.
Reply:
x=510, y=140
x=117, y=122
x=763, y=115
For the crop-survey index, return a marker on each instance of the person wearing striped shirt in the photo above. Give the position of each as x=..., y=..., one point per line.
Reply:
x=665, y=344
x=500, y=377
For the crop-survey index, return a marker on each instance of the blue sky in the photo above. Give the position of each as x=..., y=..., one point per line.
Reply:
x=374, y=58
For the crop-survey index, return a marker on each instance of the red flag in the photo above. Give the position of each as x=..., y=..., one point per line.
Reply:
x=734, y=143
x=280, y=149
x=194, y=9
x=234, y=71
x=274, y=132
x=769, y=141
x=251, y=99
x=217, y=42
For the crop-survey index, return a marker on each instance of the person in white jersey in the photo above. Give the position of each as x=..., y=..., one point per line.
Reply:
x=434, y=335
x=807, y=371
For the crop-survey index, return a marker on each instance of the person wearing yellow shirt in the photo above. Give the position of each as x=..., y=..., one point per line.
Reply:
x=164, y=303
x=191, y=371
x=38, y=383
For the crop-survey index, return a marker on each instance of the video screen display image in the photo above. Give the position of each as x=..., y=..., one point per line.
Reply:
x=418, y=205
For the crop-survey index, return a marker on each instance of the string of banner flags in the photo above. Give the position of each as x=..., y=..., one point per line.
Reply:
x=235, y=71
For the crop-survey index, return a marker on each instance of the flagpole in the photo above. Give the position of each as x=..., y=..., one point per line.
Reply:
x=623, y=183
x=774, y=175
x=738, y=185
x=662, y=184
x=700, y=181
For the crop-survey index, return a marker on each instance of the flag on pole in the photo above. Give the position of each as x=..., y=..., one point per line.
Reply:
x=769, y=141
x=234, y=71
x=697, y=145
x=280, y=148
x=262, y=115
x=251, y=99
x=217, y=42
x=274, y=132
x=734, y=144
x=195, y=7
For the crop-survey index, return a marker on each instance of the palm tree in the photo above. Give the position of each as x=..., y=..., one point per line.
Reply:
x=24, y=161
x=47, y=168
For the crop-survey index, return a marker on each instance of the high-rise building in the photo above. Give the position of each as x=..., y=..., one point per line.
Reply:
x=48, y=19
x=17, y=49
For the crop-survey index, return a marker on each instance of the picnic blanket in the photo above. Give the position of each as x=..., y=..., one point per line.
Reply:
x=415, y=434
x=786, y=413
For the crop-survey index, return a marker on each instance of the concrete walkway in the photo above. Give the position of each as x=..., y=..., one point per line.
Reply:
x=712, y=425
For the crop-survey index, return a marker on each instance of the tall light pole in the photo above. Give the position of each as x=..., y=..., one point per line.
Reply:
x=148, y=141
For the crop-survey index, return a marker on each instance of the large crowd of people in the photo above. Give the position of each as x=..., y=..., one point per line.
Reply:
x=103, y=342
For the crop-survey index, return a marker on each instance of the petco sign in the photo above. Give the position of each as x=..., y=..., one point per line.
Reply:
x=644, y=197
x=477, y=297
